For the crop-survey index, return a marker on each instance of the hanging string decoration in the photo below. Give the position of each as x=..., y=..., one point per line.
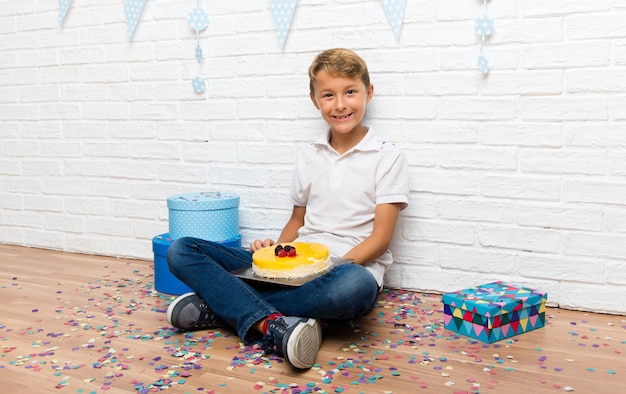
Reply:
x=483, y=26
x=64, y=6
x=133, y=10
x=395, y=14
x=198, y=20
x=282, y=11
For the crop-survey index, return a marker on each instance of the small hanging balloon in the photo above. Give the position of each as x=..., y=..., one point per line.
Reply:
x=198, y=19
x=483, y=26
x=199, y=86
x=483, y=64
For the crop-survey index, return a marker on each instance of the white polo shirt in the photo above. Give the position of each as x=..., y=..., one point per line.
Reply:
x=341, y=192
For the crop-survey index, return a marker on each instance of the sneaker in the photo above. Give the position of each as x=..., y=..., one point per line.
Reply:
x=295, y=338
x=190, y=313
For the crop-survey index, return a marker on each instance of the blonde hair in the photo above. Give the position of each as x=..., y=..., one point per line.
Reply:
x=339, y=61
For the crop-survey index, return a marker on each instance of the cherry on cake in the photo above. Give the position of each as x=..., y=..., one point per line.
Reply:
x=291, y=260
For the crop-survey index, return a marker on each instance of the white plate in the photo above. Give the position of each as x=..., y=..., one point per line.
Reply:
x=247, y=274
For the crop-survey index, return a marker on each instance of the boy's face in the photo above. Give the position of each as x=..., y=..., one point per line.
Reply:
x=341, y=101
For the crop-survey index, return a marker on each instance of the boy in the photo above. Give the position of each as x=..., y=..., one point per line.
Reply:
x=348, y=189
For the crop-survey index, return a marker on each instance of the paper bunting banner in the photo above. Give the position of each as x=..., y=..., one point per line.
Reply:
x=133, y=10
x=64, y=5
x=282, y=11
x=395, y=14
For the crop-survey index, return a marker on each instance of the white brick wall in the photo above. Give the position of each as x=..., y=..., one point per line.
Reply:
x=519, y=176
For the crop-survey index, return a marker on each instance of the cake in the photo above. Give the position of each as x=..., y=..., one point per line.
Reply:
x=291, y=260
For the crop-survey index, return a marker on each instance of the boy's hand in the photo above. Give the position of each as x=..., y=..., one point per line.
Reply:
x=258, y=244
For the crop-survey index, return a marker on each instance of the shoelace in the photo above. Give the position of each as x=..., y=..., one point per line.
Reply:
x=207, y=319
x=268, y=344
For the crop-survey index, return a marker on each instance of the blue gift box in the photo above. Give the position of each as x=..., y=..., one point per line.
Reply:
x=494, y=311
x=164, y=280
x=213, y=216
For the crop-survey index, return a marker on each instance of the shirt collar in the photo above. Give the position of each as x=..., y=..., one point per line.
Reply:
x=369, y=143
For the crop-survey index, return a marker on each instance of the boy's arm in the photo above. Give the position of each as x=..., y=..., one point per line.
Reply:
x=290, y=231
x=385, y=219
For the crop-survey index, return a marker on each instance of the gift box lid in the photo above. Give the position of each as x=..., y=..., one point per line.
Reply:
x=494, y=298
x=203, y=201
x=161, y=243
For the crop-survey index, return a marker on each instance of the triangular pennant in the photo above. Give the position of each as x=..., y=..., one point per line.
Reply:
x=533, y=310
x=478, y=329
x=533, y=321
x=496, y=334
x=64, y=5
x=523, y=324
x=467, y=328
x=478, y=319
x=395, y=14
x=497, y=321
x=133, y=9
x=523, y=314
x=458, y=323
x=282, y=11
x=504, y=329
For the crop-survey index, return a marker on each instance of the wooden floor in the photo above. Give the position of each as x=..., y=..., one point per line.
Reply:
x=88, y=324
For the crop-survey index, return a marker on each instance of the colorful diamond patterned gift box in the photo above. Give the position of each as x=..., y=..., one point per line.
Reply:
x=494, y=311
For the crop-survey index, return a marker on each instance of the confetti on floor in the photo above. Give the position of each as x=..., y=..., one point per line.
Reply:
x=102, y=328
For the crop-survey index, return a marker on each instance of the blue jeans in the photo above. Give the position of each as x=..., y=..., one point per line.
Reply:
x=345, y=292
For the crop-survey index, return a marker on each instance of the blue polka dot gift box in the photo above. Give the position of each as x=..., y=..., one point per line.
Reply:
x=494, y=311
x=213, y=216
